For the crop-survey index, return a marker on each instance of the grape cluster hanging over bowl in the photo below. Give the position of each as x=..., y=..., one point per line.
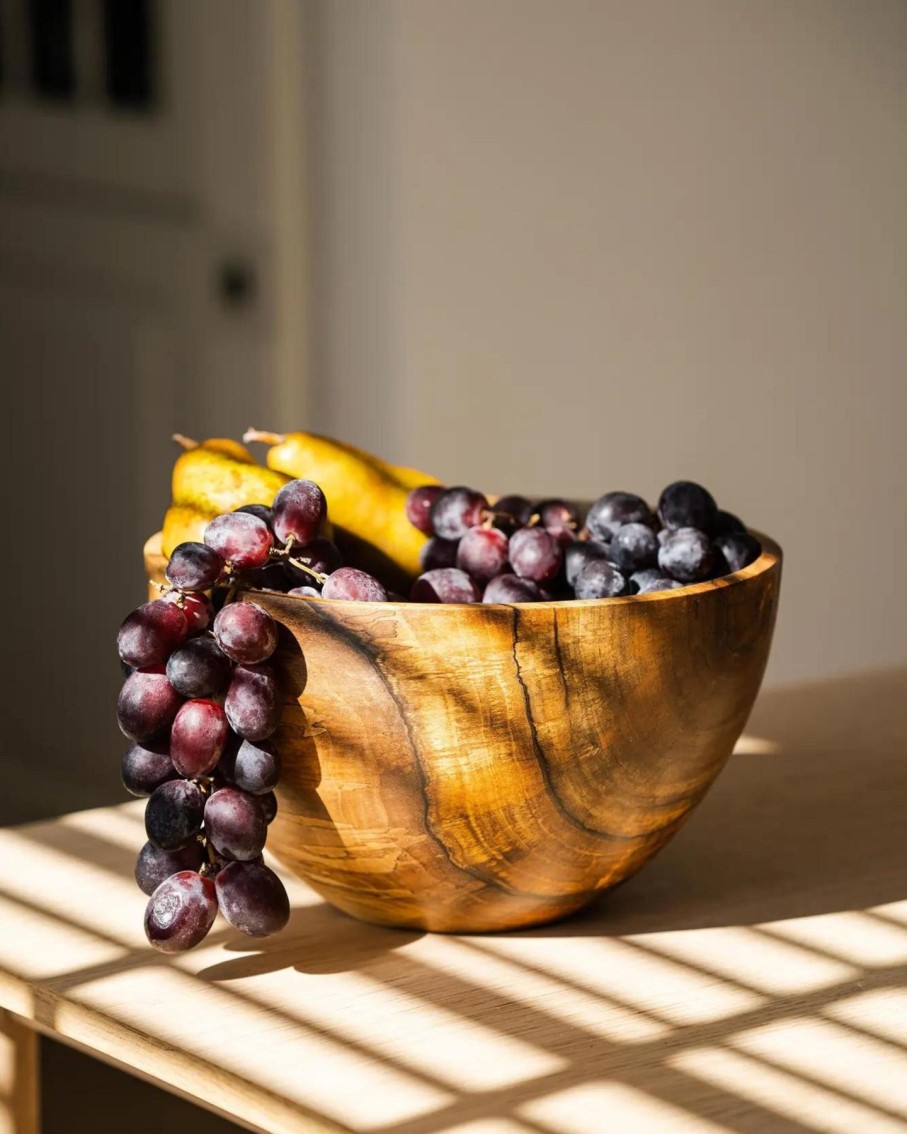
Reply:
x=200, y=702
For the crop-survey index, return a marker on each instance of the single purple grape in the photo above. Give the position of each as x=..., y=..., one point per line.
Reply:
x=147, y=704
x=446, y=584
x=153, y=866
x=305, y=591
x=559, y=518
x=199, y=668
x=613, y=509
x=145, y=769
x=482, y=553
x=581, y=552
x=254, y=768
x=686, y=555
x=198, y=737
x=150, y=634
x=353, y=585
x=260, y=511
x=235, y=824
x=439, y=553
x=685, y=504
x=535, y=554
x=268, y=804
x=194, y=567
x=173, y=814
x=180, y=912
x=739, y=549
x=196, y=608
x=652, y=579
x=633, y=547
x=246, y=633
x=510, y=589
x=456, y=510
x=640, y=580
x=252, y=704
x=599, y=579
x=243, y=540
x=514, y=511
x=299, y=511
x=418, y=506
x=720, y=566
x=726, y=523
x=252, y=898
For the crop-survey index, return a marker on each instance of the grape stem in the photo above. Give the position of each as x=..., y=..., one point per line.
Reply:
x=319, y=578
x=286, y=553
x=489, y=517
x=252, y=434
x=234, y=585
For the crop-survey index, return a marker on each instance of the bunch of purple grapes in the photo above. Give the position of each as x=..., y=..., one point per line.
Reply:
x=201, y=705
x=517, y=551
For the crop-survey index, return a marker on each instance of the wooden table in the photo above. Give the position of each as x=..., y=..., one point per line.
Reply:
x=751, y=979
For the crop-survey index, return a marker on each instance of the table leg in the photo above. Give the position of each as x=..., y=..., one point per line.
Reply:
x=19, y=1086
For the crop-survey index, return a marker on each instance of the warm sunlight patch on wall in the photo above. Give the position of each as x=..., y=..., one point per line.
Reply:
x=782, y=1094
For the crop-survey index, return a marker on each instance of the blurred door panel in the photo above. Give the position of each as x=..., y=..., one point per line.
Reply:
x=91, y=360
x=143, y=270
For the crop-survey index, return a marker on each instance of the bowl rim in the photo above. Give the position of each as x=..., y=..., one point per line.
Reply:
x=770, y=559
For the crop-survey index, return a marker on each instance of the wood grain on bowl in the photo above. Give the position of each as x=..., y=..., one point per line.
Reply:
x=470, y=768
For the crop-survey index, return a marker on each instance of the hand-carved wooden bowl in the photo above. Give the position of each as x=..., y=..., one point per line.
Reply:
x=471, y=768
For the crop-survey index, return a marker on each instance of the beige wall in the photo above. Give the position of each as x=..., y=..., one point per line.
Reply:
x=570, y=247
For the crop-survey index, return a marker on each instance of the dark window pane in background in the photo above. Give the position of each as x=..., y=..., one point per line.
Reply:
x=52, y=68
x=128, y=45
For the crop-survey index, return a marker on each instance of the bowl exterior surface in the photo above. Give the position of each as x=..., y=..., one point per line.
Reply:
x=478, y=768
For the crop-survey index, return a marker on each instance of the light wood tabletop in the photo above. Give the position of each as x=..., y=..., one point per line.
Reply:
x=753, y=978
